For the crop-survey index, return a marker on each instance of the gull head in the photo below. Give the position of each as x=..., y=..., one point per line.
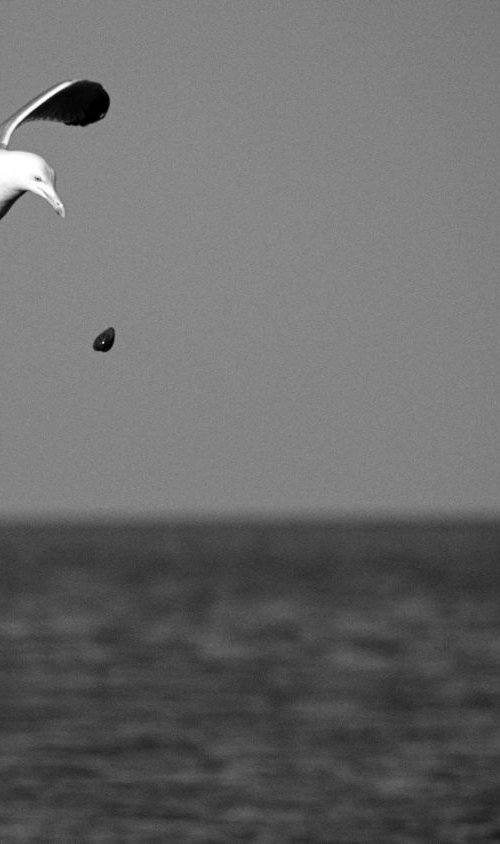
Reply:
x=25, y=171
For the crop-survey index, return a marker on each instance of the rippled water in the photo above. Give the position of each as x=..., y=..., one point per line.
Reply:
x=249, y=682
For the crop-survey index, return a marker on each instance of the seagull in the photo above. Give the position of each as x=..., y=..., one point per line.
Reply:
x=75, y=103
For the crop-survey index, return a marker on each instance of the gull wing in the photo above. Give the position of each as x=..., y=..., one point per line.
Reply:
x=75, y=103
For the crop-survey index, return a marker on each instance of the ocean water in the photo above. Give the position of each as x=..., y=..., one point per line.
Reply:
x=250, y=681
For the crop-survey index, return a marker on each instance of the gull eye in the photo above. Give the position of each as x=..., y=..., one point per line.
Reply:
x=38, y=178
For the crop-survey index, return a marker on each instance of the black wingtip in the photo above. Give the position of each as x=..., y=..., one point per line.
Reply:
x=78, y=104
x=89, y=102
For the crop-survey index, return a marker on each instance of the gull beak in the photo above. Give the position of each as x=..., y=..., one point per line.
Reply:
x=48, y=192
x=58, y=207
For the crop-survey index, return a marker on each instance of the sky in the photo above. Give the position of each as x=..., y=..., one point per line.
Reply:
x=290, y=215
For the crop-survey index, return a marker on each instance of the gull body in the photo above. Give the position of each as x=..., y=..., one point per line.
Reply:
x=75, y=103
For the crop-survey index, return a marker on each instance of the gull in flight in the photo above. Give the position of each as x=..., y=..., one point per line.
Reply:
x=75, y=103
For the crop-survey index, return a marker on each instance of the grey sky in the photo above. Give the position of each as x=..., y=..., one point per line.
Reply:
x=291, y=217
